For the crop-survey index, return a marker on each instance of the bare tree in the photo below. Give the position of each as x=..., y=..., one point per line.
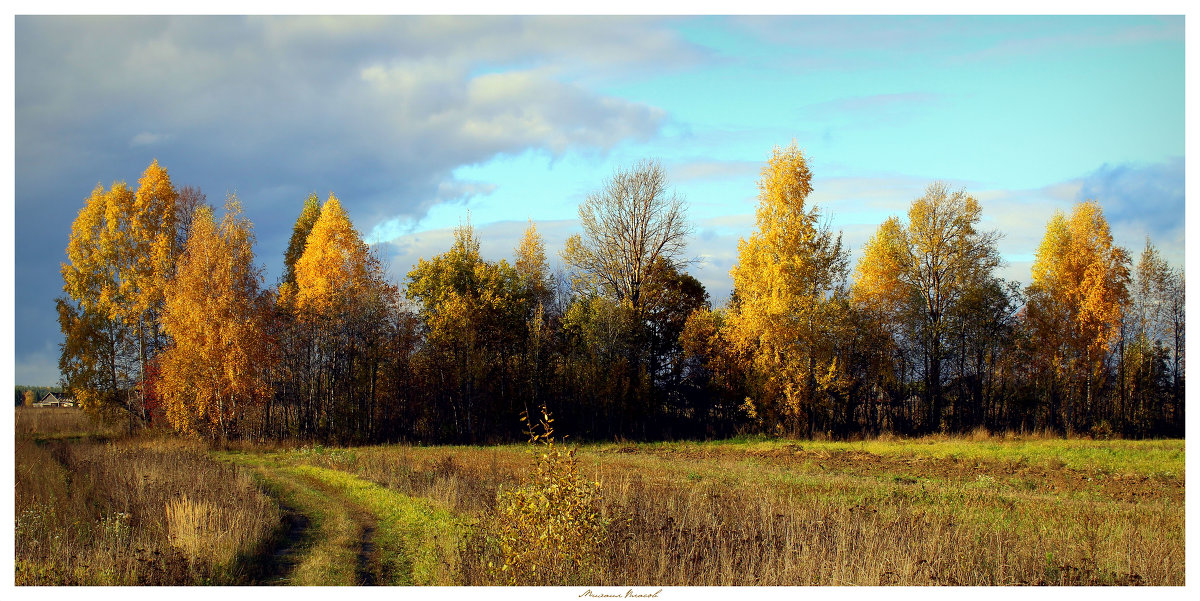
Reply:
x=627, y=226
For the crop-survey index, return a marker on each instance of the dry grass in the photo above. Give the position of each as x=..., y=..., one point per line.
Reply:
x=720, y=535
x=210, y=531
x=963, y=510
x=110, y=513
x=974, y=509
x=54, y=422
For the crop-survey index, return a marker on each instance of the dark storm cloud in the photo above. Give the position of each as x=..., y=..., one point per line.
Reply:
x=379, y=111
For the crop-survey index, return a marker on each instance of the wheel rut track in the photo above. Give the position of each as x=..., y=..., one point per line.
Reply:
x=295, y=538
x=299, y=534
x=276, y=564
x=369, y=566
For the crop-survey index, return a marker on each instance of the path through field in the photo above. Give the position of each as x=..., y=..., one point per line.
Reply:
x=341, y=530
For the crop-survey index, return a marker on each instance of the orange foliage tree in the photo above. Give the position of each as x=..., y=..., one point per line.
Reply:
x=121, y=254
x=1079, y=288
x=216, y=315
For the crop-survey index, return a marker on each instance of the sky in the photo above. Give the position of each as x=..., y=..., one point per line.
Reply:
x=418, y=124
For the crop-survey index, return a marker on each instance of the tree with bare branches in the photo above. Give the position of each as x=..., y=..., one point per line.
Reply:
x=627, y=226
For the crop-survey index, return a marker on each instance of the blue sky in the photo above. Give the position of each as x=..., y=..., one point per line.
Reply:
x=413, y=122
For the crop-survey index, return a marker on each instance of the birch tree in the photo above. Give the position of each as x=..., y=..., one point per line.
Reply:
x=216, y=316
x=1076, y=297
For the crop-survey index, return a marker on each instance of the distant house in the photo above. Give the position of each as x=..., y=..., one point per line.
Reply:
x=53, y=399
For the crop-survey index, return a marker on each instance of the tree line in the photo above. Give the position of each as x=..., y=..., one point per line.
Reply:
x=167, y=318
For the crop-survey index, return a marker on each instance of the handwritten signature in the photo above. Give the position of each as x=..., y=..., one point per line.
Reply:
x=629, y=594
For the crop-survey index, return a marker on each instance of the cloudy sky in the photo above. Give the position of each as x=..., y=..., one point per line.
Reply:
x=416, y=122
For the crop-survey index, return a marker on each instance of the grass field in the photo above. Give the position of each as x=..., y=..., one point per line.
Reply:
x=95, y=508
x=974, y=510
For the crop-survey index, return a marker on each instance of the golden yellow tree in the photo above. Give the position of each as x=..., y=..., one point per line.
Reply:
x=121, y=254
x=216, y=316
x=152, y=243
x=96, y=252
x=343, y=303
x=789, y=272
x=1079, y=289
x=876, y=283
x=99, y=357
x=336, y=270
x=215, y=313
x=532, y=268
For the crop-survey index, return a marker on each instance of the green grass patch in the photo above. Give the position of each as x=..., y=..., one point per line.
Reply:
x=417, y=540
x=327, y=555
x=1143, y=457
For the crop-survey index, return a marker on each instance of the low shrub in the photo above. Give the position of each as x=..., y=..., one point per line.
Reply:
x=549, y=528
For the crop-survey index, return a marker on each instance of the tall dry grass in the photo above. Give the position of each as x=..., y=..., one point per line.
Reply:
x=117, y=512
x=208, y=531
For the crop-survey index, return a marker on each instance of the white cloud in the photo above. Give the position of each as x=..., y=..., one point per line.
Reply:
x=1141, y=201
x=381, y=111
x=296, y=99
